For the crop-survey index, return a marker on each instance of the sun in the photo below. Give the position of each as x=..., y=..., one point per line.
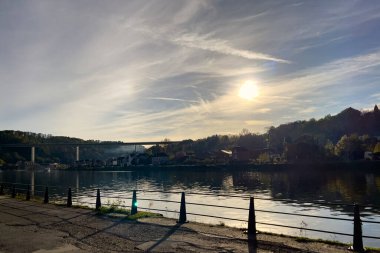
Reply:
x=249, y=90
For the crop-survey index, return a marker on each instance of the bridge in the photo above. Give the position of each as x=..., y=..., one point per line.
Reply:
x=33, y=146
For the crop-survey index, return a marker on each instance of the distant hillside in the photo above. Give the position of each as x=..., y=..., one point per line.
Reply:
x=47, y=154
x=317, y=135
x=349, y=121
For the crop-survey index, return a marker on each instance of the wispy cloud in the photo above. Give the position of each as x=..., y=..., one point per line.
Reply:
x=173, y=99
x=263, y=110
x=307, y=110
x=320, y=44
x=205, y=42
x=333, y=73
x=221, y=46
x=258, y=122
x=377, y=96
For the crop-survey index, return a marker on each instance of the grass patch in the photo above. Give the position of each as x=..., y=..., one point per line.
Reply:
x=113, y=209
x=143, y=214
x=81, y=207
x=370, y=249
x=308, y=240
x=20, y=196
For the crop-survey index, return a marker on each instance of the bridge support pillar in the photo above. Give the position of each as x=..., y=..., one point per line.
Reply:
x=33, y=154
x=77, y=153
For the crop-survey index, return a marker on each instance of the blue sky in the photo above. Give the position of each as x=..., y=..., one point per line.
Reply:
x=149, y=70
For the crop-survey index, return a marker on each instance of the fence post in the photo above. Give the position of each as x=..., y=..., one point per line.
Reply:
x=182, y=210
x=1, y=189
x=69, y=198
x=13, y=191
x=252, y=220
x=98, y=202
x=46, y=197
x=28, y=193
x=358, y=239
x=134, y=203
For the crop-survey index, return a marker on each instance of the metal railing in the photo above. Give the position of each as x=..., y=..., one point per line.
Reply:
x=357, y=221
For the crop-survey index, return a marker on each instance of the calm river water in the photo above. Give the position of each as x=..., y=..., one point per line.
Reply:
x=290, y=190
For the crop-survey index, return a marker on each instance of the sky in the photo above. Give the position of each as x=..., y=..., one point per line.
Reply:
x=150, y=70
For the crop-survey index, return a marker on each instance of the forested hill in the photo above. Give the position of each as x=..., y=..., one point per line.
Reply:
x=361, y=128
x=332, y=128
x=19, y=137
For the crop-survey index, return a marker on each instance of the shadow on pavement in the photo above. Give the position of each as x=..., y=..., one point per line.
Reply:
x=165, y=237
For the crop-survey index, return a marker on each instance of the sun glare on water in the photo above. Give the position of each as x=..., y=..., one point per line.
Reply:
x=249, y=90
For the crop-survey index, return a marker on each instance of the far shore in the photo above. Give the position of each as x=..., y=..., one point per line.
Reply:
x=250, y=166
x=320, y=165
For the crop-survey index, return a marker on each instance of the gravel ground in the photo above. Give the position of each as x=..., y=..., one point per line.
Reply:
x=28, y=226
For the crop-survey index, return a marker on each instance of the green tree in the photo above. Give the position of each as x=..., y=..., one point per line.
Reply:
x=264, y=158
x=329, y=149
x=350, y=147
x=304, y=148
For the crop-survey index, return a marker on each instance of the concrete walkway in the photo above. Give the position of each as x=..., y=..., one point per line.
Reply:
x=28, y=226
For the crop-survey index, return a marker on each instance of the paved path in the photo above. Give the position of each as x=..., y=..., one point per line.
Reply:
x=28, y=226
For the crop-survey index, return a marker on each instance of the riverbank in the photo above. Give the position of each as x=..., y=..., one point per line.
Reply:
x=329, y=165
x=320, y=165
x=29, y=226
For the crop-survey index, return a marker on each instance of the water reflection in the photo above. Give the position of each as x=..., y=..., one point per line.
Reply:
x=300, y=186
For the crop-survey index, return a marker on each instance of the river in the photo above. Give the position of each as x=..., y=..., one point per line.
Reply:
x=297, y=191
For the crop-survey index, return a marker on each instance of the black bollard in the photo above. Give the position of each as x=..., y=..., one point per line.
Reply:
x=98, y=202
x=28, y=193
x=46, y=197
x=13, y=191
x=69, y=198
x=252, y=221
x=358, y=239
x=182, y=210
x=134, y=203
x=1, y=190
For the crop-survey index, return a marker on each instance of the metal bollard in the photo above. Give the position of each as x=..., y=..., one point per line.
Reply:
x=28, y=193
x=69, y=198
x=358, y=239
x=252, y=220
x=134, y=203
x=182, y=210
x=13, y=191
x=46, y=197
x=98, y=202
